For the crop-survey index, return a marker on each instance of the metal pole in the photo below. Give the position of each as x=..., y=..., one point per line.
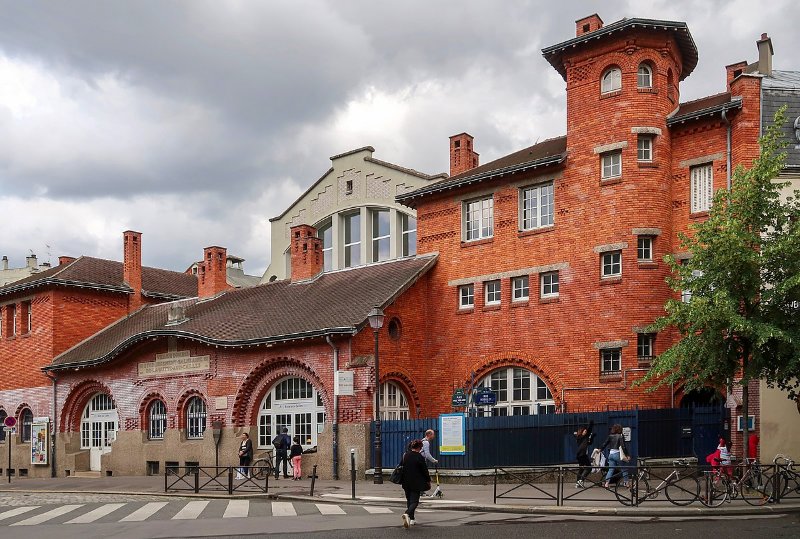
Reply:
x=353, y=471
x=8, y=470
x=313, y=478
x=377, y=477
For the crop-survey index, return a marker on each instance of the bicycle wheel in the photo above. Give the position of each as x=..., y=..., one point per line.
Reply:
x=261, y=468
x=683, y=490
x=626, y=494
x=752, y=488
x=718, y=492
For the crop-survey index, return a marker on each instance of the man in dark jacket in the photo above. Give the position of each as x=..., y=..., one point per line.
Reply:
x=282, y=442
x=584, y=436
x=416, y=480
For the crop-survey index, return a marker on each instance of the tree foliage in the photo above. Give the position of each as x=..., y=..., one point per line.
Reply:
x=742, y=320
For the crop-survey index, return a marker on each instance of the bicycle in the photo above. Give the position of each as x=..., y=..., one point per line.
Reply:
x=786, y=480
x=679, y=489
x=262, y=466
x=745, y=481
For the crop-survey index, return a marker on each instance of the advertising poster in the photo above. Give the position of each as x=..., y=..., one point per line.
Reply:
x=39, y=443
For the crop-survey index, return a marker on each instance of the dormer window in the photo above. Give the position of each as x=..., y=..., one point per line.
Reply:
x=644, y=76
x=611, y=81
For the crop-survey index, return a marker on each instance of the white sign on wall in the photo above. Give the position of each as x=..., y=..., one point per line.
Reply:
x=343, y=383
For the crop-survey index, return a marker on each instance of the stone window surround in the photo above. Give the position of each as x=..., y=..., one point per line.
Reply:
x=611, y=147
x=619, y=246
x=509, y=274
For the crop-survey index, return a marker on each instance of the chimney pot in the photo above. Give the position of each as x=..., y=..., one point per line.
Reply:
x=462, y=156
x=307, y=262
x=213, y=277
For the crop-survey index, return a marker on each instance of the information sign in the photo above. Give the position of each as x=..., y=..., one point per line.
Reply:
x=39, y=443
x=485, y=397
x=459, y=397
x=452, y=434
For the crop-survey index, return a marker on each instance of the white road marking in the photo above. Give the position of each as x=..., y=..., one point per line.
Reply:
x=144, y=512
x=283, y=509
x=17, y=511
x=377, y=510
x=96, y=514
x=49, y=515
x=191, y=510
x=329, y=509
x=237, y=509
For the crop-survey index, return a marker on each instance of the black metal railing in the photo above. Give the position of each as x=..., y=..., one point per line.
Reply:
x=215, y=479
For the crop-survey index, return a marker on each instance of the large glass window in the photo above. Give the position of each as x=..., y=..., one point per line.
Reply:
x=156, y=420
x=611, y=81
x=293, y=404
x=611, y=165
x=394, y=404
x=479, y=219
x=352, y=240
x=409, y=227
x=702, y=188
x=537, y=206
x=380, y=235
x=325, y=233
x=195, y=418
x=528, y=393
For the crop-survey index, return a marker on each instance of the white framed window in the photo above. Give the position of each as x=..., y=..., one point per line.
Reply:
x=537, y=206
x=611, y=81
x=380, y=235
x=611, y=361
x=492, y=292
x=702, y=187
x=479, y=219
x=352, y=240
x=518, y=392
x=408, y=225
x=325, y=233
x=156, y=420
x=520, y=288
x=549, y=284
x=195, y=418
x=466, y=296
x=611, y=264
x=394, y=404
x=644, y=148
x=645, y=346
x=611, y=164
x=644, y=76
x=644, y=249
x=12, y=318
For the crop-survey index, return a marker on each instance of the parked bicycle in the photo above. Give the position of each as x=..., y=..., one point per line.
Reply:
x=262, y=466
x=746, y=482
x=786, y=480
x=681, y=487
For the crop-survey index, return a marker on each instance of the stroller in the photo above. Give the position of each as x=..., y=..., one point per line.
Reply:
x=437, y=493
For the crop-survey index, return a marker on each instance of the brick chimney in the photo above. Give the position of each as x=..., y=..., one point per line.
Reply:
x=65, y=260
x=734, y=70
x=765, y=53
x=307, y=257
x=132, y=267
x=588, y=24
x=211, y=275
x=462, y=156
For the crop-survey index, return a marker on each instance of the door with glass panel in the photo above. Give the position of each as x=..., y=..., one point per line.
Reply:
x=99, y=425
x=295, y=404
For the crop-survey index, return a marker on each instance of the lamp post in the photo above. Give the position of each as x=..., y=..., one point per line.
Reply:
x=376, y=323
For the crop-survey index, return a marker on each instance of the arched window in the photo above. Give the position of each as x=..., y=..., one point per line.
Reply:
x=3, y=416
x=195, y=418
x=394, y=404
x=644, y=76
x=670, y=85
x=611, y=81
x=156, y=420
x=26, y=418
x=99, y=422
x=519, y=392
x=295, y=404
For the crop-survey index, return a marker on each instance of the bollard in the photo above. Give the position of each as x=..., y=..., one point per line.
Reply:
x=353, y=471
x=313, y=478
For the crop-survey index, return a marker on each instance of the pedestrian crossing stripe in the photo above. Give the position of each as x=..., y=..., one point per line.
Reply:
x=96, y=514
x=191, y=510
x=145, y=512
x=329, y=509
x=17, y=511
x=49, y=515
x=237, y=509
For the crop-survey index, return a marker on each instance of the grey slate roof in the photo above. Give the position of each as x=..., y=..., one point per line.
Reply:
x=101, y=274
x=782, y=80
x=706, y=106
x=333, y=303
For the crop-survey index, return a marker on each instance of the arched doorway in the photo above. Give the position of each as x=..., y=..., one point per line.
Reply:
x=705, y=396
x=394, y=404
x=518, y=392
x=295, y=404
x=99, y=425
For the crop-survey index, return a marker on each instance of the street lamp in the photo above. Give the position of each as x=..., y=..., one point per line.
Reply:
x=376, y=323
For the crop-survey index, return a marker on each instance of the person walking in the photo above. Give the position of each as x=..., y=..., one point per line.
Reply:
x=416, y=480
x=616, y=442
x=296, y=454
x=245, y=456
x=282, y=442
x=584, y=436
x=426, y=448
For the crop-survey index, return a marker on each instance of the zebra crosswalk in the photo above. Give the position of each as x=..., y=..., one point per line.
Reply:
x=88, y=513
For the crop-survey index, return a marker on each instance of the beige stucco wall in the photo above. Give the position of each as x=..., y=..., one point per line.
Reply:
x=780, y=424
x=375, y=184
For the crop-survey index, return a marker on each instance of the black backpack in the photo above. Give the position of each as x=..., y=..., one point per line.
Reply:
x=280, y=442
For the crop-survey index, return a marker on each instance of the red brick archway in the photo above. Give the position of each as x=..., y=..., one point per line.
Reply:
x=77, y=400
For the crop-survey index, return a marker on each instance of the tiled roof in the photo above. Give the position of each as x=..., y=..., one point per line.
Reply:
x=333, y=303
x=705, y=106
x=548, y=152
x=101, y=274
x=555, y=53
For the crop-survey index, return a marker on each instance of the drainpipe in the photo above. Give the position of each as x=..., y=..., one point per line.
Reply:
x=335, y=410
x=623, y=387
x=54, y=434
x=728, y=124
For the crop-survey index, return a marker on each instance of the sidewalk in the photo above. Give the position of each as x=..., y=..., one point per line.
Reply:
x=594, y=501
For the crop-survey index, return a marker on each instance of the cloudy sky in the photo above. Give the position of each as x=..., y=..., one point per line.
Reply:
x=194, y=122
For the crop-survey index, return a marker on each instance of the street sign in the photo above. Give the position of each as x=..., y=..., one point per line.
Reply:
x=9, y=429
x=459, y=397
x=10, y=421
x=485, y=397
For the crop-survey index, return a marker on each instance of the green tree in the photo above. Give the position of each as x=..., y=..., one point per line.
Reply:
x=738, y=317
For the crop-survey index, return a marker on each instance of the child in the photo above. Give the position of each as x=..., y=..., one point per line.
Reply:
x=296, y=455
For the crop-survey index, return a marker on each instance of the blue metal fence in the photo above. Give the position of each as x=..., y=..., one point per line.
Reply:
x=538, y=440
